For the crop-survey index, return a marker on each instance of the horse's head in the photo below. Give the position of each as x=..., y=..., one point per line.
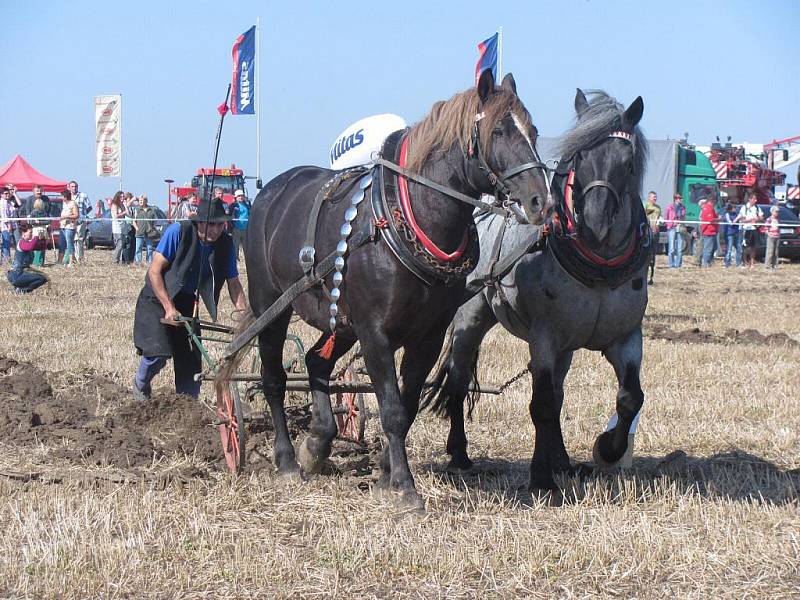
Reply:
x=607, y=152
x=503, y=160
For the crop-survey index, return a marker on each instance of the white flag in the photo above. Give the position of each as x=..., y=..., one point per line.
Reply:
x=107, y=115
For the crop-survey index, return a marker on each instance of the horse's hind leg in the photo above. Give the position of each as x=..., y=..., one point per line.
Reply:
x=273, y=379
x=317, y=446
x=472, y=323
x=626, y=358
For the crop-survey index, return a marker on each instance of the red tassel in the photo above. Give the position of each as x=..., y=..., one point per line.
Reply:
x=327, y=348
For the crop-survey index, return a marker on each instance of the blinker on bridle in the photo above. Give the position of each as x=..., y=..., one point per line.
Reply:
x=502, y=190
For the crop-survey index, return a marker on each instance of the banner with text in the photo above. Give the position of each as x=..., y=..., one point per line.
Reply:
x=107, y=115
x=243, y=81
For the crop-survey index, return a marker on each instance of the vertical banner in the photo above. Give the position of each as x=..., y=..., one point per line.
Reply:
x=487, y=59
x=108, y=147
x=243, y=82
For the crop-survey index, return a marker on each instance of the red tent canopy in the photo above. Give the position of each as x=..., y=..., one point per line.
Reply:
x=19, y=172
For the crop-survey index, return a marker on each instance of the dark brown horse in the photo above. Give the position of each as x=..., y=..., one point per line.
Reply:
x=463, y=144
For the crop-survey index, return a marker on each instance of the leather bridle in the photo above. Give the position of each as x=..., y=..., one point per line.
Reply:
x=573, y=164
x=502, y=190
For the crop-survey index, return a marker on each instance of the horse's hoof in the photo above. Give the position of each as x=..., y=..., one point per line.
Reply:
x=601, y=463
x=290, y=473
x=460, y=467
x=310, y=461
x=410, y=500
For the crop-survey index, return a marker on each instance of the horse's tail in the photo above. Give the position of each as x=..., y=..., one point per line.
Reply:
x=438, y=395
x=242, y=319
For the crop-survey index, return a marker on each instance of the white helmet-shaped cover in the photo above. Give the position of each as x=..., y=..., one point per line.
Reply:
x=361, y=142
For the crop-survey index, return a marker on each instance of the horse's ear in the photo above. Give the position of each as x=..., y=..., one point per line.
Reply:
x=634, y=113
x=581, y=104
x=509, y=83
x=485, y=85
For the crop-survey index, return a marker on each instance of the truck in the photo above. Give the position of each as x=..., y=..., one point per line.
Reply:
x=229, y=179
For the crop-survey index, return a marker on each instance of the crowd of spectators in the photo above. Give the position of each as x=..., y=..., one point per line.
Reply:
x=736, y=230
x=60, y=225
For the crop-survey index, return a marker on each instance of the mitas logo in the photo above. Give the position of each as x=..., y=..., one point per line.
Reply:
x=245, y=93
x=107, y=112
x=107, y=150
x=345, y=143
x=107, y=169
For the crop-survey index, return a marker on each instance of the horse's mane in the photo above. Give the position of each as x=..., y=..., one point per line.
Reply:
x=602, y=117
x=450, y=122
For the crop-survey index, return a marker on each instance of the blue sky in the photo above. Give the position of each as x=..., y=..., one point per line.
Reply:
x=709, y=68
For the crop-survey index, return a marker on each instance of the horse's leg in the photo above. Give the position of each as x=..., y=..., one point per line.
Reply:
x=396, y=418
x=626, y=358
x=317, y=445
x=549, y=454
x=472, y=323
x=418, y=360
x=273, y=380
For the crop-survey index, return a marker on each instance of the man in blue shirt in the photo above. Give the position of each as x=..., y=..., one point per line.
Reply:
x=194, y=258
x=241, y=215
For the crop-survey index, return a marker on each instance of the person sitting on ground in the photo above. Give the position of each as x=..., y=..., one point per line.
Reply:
x=193, y=256
x=773, y=238
x=21, y=276
x=709, y=228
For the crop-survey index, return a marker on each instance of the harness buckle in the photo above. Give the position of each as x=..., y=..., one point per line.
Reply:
x=307, y=258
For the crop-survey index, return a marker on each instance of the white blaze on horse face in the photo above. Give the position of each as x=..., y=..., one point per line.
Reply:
x=521, y=127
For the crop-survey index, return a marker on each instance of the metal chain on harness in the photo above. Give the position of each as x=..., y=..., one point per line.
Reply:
x=512, y=381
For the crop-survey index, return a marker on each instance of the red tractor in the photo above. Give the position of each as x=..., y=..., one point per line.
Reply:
x=229, y=180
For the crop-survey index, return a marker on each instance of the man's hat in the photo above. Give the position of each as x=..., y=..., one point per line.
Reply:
x=238, y=193
x=210, y=212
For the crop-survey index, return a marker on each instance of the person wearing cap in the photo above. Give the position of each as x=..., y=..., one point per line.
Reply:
x=193, y=257
x=709, y=229
x=241, y=216
x=773, y=237
x=673, y=217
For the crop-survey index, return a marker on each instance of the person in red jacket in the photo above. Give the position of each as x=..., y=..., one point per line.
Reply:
x=20, y=276
x=709, y=228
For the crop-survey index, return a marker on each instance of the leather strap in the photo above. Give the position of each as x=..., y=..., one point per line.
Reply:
x=300, y=286
x=483, y=207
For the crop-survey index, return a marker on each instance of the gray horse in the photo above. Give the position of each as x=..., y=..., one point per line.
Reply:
x=585, y=289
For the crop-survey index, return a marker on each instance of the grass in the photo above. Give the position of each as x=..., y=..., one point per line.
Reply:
x=721, y=521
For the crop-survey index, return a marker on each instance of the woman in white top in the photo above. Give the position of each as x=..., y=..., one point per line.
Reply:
x=117, y=218
x=69, y=222
x=749, y=216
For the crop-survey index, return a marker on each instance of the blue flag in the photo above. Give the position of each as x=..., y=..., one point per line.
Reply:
x=243, y=91
x=488, y=57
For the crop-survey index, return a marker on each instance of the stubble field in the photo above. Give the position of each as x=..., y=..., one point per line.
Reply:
x=103, y=498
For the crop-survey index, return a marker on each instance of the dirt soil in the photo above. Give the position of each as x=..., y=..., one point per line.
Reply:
x=93, y=419
x=88, y=419
x=695, y=335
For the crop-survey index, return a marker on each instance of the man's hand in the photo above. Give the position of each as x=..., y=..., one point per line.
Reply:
x=171, y=313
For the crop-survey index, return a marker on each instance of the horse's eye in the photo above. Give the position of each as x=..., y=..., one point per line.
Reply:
x=497, y=132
